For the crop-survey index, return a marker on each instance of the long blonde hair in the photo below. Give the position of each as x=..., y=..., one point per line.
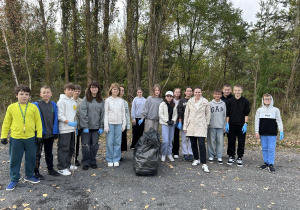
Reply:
x=153, y=90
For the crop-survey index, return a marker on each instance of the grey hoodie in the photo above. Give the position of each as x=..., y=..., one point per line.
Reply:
x=150, y=109
x=218, y=114
x=91, y=114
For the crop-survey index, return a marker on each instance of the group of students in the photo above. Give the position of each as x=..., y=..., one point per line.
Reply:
x=36, y=125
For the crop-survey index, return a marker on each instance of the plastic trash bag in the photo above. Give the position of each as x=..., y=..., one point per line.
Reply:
x=146, y=155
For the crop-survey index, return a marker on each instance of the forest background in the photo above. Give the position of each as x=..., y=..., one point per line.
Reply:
x=175, y=43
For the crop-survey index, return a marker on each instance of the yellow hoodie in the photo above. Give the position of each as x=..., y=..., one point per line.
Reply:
x=14, y=121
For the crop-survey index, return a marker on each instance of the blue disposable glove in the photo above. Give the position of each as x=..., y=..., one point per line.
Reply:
x=72, y=124
x=179, y=126
x=227, y=127
x=100, y=131
x=244, y=129
x=140, y=121
x=281, y=136
x=86, y=130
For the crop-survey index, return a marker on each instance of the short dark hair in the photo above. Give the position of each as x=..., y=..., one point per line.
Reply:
x=69, y=86
x=217, y=91
x=226, y=85
x=45, y=87
x=198, y=87
x=189, y=87
x=77, y=87
x=23, y=88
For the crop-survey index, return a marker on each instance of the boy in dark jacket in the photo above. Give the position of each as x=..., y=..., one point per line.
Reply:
x=48, y=113
x=237, y=111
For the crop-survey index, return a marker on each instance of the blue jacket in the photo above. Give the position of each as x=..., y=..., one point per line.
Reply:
x=55, y=123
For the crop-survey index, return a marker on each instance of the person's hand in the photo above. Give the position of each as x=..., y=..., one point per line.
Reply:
x=4, y=141
x=171, y=122
x=100, y=131
x=72, y=124
x=179, y=126
x=257, y=135
x=55, y=136
x=39, y=140
x=106, y=130
x=184, y=131
x=244, y=129
x=141, y=121
x=227, y=127
x=133, y=122
x=123, y=128
x=86, y=130
x=281, y=136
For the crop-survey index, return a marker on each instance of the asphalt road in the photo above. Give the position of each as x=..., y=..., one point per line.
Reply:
x=177, y=185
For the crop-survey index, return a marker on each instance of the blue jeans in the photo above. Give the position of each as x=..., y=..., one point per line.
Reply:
x=16, y=150
x=215, y=142
x=113, y=143
x=268, y=145
x=167, y=136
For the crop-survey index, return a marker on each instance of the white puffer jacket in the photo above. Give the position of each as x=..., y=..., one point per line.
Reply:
x=114, y=112
x=164, y=114
x=196, y=120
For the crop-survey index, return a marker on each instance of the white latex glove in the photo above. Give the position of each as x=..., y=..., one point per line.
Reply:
x=106, y=130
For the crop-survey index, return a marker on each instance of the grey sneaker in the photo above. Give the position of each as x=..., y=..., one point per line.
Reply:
x=240, y=162
x=230, y=160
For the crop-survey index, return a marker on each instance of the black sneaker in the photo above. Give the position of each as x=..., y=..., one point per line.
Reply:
x=77, y=163
x=39, y=176
x=94, y=165
x=85, y=167
x=239, y=162
x=230, y=160
x=53, y=173
x=271, y=168
x=264, y=166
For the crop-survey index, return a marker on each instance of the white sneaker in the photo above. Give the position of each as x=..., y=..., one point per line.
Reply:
x=176, y=156
x=64, y=172
x=116, y=164
x=205, y=168
x=171, y=158
x=211, y=159
x=73, y=167
x=163, y=158
x=110, y=164
x=196, y=162
x=220, y=161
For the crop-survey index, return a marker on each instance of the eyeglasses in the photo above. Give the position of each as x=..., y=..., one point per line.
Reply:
x=267, y=99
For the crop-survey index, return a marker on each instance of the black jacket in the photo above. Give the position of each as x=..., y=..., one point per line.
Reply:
x=236, y=110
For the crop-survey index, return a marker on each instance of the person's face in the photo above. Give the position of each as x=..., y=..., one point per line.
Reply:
x=23, y=97
x=177, y=93
x=226, y=91
x=156, y=92
x=115, y=92
x=69, y=92
x=122, y=91
x=267, y=101
x=217, y=96
x=189, y=92
x=197, y=93
x=76, y=93
x=237, y=91
x=139, y=93
x=169, y=98
x=94, y=90
x=45, y=94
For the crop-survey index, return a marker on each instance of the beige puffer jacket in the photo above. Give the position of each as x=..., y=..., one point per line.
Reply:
x=196, y=120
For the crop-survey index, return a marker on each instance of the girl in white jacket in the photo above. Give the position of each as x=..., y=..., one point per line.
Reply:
x=196, y=120
x=114, y=125
x=167, y=119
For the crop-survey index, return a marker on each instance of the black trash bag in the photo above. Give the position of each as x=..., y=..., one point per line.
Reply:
x=146, y=155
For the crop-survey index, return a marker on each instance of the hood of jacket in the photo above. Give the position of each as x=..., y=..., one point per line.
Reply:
x=64, y=96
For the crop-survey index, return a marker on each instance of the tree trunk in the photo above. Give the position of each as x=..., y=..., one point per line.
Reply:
x=105, y=48
x=46, y=43
x=137, y=70
x=95, y=39
x=65, y=22
x=75, y=43
x=88, y=41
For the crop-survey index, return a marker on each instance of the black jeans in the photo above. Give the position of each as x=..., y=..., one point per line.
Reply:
x=89, y=146
x=175, y=149
x=65, y=150
x=138, y=131
x=202, y=148
x=236, y=131
x=48, y=147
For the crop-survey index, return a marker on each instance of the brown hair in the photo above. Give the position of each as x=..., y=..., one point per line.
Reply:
x=171, y=102
x=77, y=87
x=69, y=86
x=217, y=91
x=23, y=88
x=226, y=85
x=198, y=87
x=45, y=87
x=88, y=93
x=139, y=88
x=153, y=90
x=238, y=86
x=188, y=87
x=114, y=85
x=266, y=95
x=179, y=90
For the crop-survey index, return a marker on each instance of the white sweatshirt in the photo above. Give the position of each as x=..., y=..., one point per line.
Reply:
x=66, y=111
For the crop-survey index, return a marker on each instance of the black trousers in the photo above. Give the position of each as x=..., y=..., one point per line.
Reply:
x=175, y=149
x=77, y=140
x=124, y=141
x=202, y=148
x=65, y=150
x=48, y=147
x=236, y=131
x=138, y=131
